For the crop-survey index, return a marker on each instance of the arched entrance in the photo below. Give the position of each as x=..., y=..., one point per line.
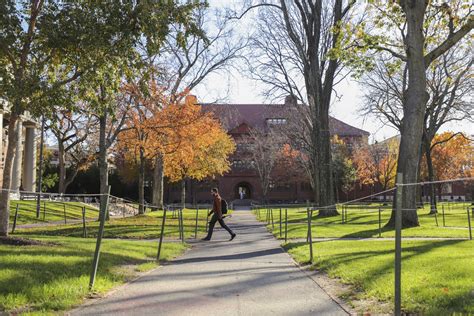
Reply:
x=243, y=191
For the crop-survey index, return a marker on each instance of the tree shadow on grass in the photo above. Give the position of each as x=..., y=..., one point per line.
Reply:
x=461, y=302
x=56, y=277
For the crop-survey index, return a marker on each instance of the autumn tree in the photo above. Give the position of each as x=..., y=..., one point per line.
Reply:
x=203, y=150
x=187, y=64
x=452, y=155
x=377, y=163
x=151, y=128
x=416, y=34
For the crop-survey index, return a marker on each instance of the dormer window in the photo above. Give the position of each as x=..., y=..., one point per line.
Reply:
x=276, y=121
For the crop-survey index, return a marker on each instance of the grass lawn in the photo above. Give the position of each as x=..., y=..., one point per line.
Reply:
x=50, y=211
x=364, y=223
x=437, y=276
x=145, y=226
x=46, y=278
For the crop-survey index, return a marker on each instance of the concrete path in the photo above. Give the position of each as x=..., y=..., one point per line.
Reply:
x=248, y=276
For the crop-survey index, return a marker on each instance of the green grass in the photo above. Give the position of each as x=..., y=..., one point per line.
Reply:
x=46, y=278
x=363, y=222
x=437, y=276
x=146, y=226
x=50, y=211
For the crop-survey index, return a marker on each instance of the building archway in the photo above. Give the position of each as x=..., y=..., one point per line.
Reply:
x=243, y=191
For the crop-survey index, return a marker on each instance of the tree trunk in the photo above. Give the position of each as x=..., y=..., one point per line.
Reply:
x=414, y=108
x=141, y=183
x=103, y=164
x=7, y=173
x=183, y=193
x=326, y=187
x=62, y=167
x=315, y=152
x=431, y=176
x=158, y=176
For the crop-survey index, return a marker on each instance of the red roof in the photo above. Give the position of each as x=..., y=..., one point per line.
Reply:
x=233, y=116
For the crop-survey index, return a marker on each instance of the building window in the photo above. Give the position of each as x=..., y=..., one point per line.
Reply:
x=243, y=147
x=238, y=164
x=276, y=121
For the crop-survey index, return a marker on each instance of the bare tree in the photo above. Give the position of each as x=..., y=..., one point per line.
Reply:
x=264, y=150
x=449, y=82
x=294, y=42
x=74, y=134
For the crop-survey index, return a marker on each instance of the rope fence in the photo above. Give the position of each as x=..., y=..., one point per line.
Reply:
x=363, y=206
x=81, y=208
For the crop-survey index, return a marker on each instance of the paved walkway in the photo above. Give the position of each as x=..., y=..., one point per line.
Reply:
x=248, y=276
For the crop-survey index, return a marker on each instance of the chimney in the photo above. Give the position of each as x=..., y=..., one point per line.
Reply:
x=191, y=99
x=290, y=100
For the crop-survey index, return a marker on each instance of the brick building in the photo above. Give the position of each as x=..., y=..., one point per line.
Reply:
x=242, y=183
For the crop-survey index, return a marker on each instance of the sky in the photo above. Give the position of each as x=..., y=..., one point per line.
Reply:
x=235, y=87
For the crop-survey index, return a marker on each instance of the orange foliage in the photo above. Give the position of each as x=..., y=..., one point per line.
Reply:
x=192, y=143
x=377, y=163
x=452, y=156
x=289, y=165
x=203, y=149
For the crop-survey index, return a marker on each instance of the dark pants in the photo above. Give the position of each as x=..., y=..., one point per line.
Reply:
x=212, y=223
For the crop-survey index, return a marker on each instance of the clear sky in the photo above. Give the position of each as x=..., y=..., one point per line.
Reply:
x=235, y=87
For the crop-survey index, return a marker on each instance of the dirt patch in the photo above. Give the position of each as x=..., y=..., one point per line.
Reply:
x=17, y=241
x=348, y=296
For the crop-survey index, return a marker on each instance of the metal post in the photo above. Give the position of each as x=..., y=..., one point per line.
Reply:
x=44, y=211
x=280, y=222
x=342, y=214
x=196, y=227
x=84, y=229
x=15, y=218
x=310, y=237
x=162, y=233
x=180, y=218
x=286, y=225
x=308, y=228
x=469, y=223
x=207, y=221
x=444, y=221
x=95, y=262
x=398, y=246
x=380, y=222
x=40, y=168
x=273, y=223
x=64, y=208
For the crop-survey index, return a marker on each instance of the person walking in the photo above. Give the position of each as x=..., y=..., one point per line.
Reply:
x=217, y=216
